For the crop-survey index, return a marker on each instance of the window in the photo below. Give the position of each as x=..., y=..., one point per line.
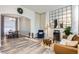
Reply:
x=63, y=16
x=9, y=24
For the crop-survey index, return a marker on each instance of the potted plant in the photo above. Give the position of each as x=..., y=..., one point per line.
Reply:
x=67, y=31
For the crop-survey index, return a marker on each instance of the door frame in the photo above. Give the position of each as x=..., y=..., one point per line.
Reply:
x=2, y=25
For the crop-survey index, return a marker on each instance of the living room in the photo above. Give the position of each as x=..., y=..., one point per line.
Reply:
x=52, y=20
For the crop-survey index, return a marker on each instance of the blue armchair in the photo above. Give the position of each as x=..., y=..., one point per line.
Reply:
x=40, y=34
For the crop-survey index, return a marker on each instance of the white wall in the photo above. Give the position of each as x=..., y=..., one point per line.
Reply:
x=43, y=20
x=78, y=19
x=0, y=30
x=75, y=19
x=37, y=23
x=24, y=26
x=12, y=9
x=48, y=31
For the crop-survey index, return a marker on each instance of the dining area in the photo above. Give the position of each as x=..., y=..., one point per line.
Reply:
x=12, y=34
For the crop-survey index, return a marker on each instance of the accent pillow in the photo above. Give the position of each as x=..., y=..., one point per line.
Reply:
x=69, y=43
x=70, y=37
x=74, y=38
x=72, y=43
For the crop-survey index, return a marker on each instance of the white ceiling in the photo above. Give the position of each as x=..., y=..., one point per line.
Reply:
x=43, y=8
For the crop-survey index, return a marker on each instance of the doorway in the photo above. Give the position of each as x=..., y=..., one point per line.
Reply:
x=14, y=23
x=8, y=26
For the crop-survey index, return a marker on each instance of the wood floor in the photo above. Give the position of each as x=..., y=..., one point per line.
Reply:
x=24, y=46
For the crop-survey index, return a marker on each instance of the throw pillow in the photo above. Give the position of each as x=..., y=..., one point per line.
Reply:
x=70, y=37
x=72, y=43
